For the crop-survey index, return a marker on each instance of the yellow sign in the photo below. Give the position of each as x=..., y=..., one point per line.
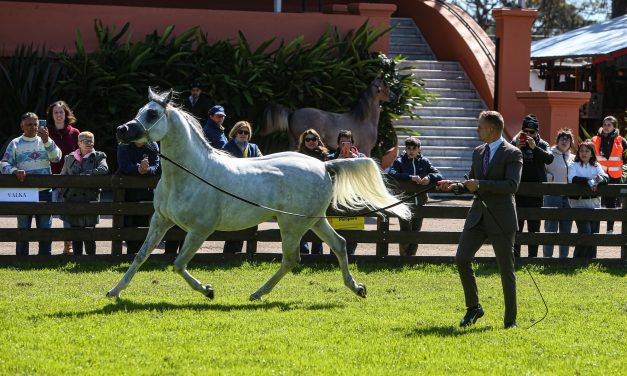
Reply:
x=348, y=223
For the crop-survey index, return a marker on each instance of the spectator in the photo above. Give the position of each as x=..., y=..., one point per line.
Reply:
x=197, y=103
x=536, y=156
x=586, y=170
x=213, y=129
x=311, y=144
x=346, y=149
x=83, y=161
x=31, y=154
x=61, y=121
x=413, y=166
x=557, y=172
x=240, y=147
x=611, y=151
x=137, y=159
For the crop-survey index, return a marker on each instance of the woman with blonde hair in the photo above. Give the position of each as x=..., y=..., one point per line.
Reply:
x=239, y=146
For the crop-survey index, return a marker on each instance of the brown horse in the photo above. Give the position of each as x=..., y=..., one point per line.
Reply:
x=362, y=119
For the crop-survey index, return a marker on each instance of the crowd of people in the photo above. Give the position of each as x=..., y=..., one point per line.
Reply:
x=57, y=146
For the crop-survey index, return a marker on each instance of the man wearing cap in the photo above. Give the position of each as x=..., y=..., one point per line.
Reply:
x=536, y=156
x=214, y=131
x=197, y=103
x=413, y=166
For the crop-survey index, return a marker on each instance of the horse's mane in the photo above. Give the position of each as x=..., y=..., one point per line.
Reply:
x=361, y=110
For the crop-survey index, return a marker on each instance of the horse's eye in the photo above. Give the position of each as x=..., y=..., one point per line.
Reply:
x=151, y=115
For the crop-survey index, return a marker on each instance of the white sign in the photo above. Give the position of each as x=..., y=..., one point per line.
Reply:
x=19, y=194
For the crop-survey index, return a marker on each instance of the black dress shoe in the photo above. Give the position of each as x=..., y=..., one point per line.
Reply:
x=511, y=325
x=472, y=315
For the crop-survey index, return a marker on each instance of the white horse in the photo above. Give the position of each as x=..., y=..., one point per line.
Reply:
x=289, y=182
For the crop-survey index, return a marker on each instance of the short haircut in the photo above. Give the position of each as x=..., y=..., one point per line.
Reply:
x=85, y=135
x=564, y=132
x=493, y=118
x=345, y=133
x=412, y=140
x=29, y=115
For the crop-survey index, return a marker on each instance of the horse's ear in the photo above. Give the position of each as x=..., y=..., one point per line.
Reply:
x=168, y=97
x=152, y=96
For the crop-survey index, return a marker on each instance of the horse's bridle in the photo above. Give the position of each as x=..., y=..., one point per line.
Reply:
x=146, y=130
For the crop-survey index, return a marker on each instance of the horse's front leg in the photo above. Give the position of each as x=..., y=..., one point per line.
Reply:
x=192, y=242
x=159, y=225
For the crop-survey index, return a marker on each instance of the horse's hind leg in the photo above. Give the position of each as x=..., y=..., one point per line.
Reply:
x=291, y=256
x=192, y=242
x=327, y=234
x=158, y=227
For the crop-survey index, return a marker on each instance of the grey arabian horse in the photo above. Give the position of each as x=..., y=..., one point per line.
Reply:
x=287, y=181
x=362, y=119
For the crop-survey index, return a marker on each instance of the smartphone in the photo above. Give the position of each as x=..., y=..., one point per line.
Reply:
x=346, y=148
x=42, y=124
x=522, y=138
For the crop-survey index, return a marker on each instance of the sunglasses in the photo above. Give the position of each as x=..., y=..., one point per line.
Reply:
x=311, y=139
x=243, y=132
x=87, y=142
x=530, y=131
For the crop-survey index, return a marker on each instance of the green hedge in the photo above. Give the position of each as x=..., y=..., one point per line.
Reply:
x=106, y=87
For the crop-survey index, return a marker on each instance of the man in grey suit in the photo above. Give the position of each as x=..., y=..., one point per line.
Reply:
x=494, y=179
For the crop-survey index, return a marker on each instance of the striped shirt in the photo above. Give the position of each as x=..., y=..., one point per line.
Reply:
x=31, y=155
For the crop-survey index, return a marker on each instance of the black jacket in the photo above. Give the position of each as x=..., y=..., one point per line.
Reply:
x=535, y=161
x=200, y=110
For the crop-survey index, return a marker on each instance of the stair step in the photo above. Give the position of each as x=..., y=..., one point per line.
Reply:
x=437, y=83
x=447, y=151
x=402, y=22
x=404, y=39
x=443, y=121
x=453, y=93
x=447, y=111
x=423, y=57
x=431, y=64
x=437, y=74
x=430, y=130
x=445, y=141
x=410, y=49
x=456, y=102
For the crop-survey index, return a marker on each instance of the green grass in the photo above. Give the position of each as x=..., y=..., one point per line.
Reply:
x=54, y=319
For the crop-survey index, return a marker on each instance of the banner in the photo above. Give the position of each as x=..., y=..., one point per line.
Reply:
x=349, y=223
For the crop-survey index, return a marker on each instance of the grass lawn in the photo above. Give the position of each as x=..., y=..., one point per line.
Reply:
x=54, y=319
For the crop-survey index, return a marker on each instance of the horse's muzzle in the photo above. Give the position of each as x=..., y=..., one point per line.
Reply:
x=129, y=132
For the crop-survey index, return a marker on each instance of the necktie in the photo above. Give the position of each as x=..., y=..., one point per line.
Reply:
x=486, y=160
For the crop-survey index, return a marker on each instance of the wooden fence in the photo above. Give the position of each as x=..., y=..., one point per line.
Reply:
x=382, y=236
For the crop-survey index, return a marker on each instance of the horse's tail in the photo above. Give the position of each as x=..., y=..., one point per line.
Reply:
x=359, y=184
x=276, y=118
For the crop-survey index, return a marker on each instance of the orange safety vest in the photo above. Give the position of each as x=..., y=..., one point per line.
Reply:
x=612, y=165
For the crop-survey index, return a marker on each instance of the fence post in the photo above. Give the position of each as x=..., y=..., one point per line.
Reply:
x=383, y=227
x=118, y=220
x=623, y=231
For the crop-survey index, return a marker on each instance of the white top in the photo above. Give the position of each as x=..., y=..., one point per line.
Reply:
x=586, y=171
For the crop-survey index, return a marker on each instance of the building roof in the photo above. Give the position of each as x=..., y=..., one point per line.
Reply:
x=600, y=39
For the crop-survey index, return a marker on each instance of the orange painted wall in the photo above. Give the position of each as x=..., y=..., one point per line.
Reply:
x=451, y=40
x=55, y=25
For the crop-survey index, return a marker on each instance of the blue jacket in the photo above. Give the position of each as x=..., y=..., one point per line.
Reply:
x=129, y=158
x=404, y=167
x=214, y=134
x=234, y=150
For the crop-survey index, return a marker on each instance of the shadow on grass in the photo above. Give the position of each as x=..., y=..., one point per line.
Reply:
x=445, y=331
x=126, y=306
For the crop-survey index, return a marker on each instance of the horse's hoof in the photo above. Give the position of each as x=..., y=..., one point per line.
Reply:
x=113, y=295
x=208, y=291
x=255, y=298
x=361, y=291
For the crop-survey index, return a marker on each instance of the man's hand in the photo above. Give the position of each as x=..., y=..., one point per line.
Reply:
x=472, y=185
x=143, y=166
x=43, y=133
x=21, y=175
x=446, y=185
x=531, y=143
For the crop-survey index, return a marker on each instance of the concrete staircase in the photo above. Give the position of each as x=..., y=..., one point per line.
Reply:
x=447, y=127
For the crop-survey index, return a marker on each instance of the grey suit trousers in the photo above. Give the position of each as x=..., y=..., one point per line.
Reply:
x=469, y=243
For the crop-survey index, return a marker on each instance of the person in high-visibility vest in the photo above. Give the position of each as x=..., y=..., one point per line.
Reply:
x=611, y=151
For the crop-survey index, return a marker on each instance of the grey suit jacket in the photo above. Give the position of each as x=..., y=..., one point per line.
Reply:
x=497, y=188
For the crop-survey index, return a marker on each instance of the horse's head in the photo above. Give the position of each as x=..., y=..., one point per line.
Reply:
x=383, y=91
x=150, y=123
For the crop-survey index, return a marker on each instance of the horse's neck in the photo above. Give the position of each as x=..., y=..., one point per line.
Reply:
x=182, y=146
x=375, y=110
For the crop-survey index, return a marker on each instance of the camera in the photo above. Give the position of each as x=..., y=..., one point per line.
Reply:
x=42, y=124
